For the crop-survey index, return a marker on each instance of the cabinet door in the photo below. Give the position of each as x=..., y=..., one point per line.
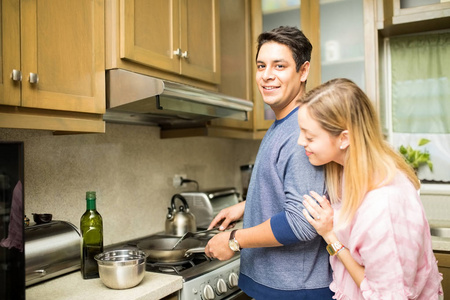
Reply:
x=9, y=52
x=342, y=41
x=149, y=33
x=235, y=53
x=63, y=56
x=407, y=11
x=200, y=39
x=443, y=259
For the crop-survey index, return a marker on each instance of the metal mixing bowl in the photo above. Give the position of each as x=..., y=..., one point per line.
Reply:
x=121, y=269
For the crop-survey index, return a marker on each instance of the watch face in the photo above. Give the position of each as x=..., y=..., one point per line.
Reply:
x=334, y=248
x=233, y=245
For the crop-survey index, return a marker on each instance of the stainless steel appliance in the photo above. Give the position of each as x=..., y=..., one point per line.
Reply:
x=203, y=278
x=246, y=174
x=51, y=249
x=140, y=99
x=206, y=204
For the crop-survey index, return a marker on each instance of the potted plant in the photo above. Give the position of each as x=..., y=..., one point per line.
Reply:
x=416, y=158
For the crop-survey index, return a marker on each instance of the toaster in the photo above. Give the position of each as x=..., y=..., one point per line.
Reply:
x=206, y=204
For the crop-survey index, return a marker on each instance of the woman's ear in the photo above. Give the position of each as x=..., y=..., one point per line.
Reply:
x=344, y=139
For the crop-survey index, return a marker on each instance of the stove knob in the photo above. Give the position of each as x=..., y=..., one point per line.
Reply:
x=232, y=280
x=221, y=286
x=208, y=292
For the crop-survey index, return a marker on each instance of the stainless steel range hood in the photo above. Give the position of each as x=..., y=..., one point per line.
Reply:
x=139, y=99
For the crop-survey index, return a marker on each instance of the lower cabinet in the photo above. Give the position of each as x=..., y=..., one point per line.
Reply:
x=443, y=259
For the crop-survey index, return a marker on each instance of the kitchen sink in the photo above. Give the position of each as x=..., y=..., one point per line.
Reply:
x=440, y=231
x=440, y=228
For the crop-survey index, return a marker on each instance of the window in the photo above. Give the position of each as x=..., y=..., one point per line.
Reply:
x=417, y=97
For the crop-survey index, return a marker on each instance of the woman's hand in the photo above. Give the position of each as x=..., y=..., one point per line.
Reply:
x=320, y=215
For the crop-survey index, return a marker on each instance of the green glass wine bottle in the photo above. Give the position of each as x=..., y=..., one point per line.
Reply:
x=91, y=226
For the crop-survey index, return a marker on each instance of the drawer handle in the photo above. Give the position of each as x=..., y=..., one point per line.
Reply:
x=34, y=78
x=16, y=75
x=41, y=272
x=177, y=52
x=185, y=55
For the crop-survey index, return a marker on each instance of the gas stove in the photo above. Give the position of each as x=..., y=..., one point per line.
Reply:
x=203, y=278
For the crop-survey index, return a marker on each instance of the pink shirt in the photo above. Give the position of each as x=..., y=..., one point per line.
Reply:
x=390, y=236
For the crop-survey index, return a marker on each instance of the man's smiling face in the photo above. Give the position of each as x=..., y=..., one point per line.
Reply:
x=278, y=81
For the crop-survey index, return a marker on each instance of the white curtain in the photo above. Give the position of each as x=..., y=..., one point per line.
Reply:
x=420, y=98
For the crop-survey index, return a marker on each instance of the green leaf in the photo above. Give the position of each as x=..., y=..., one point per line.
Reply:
x=402, y=150
x=423, y=142
x=416, y=158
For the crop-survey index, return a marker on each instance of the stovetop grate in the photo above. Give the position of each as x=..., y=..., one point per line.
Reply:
x=177, y=267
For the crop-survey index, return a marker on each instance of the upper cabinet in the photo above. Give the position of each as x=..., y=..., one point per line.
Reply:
x=236, y=65
x=52, y=65
x=172, y=36
x=411, y=16
x=342, y=43
x=341, y=48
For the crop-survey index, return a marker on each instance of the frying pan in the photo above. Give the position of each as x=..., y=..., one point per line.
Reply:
x=160, y=249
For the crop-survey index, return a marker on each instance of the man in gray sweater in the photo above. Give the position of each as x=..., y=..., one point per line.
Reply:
x=282, y=256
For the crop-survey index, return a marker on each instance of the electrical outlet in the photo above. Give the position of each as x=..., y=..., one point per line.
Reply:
x=177, y=180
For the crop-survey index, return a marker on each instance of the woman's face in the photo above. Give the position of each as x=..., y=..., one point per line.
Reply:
x=320, y=147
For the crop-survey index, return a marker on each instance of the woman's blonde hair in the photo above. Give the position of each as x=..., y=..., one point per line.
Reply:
x=370, y=162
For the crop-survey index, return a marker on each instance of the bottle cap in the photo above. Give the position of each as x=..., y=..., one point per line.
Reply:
x=90, y=195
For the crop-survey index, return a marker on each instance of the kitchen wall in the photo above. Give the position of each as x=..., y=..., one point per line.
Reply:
x=129, y=167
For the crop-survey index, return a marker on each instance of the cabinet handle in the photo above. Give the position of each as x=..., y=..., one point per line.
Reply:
x=185, y=55
x=16, y=75
x=34, y=78
x=177, y=52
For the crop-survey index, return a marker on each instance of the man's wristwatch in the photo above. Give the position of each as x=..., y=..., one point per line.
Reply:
x=334, y=248
x=233, y=243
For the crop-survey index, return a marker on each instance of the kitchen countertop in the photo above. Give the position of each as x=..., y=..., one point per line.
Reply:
x=72, y=286
x=154, y=285
x=440, y=244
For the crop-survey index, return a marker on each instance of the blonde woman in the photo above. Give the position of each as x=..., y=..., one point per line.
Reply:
x=375, y=227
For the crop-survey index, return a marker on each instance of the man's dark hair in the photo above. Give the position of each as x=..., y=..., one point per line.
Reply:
x=293, y=38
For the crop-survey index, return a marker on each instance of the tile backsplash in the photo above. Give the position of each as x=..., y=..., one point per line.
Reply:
x=129, y=167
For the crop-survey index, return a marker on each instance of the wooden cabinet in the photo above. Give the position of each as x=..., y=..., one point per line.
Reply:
x=346, y=43
x=52, y=65
x=412, y=16
x=237, y=65
x=443, y=259
x=237, y=15
x=409, y=11
x=355, y=56
x=237, y=50
x=178, y=36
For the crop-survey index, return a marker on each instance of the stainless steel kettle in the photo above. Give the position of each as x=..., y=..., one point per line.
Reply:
x=181, y=221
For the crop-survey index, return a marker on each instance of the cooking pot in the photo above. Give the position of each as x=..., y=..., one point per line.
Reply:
x=160, y=249
x=181, y=221
x=121, y=269
x=42, y=218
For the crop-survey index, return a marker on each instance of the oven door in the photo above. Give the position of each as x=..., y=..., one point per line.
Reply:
x=239, y=295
